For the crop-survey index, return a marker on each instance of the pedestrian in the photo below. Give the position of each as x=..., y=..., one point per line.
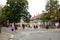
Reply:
x=15, y=27
x=47, y=27
x=23, y=26
x=29, y=26
x=36, y=26
x=12, y=27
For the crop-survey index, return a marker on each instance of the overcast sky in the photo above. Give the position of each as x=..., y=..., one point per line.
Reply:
x=35, y=6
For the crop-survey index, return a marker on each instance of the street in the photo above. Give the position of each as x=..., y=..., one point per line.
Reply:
x=26, y=34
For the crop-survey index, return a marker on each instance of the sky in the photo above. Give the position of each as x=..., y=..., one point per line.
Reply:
x=35, y=6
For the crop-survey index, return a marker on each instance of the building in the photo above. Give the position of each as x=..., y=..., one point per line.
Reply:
x=35, y=20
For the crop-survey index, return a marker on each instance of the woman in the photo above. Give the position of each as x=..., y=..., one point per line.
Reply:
x=12, y=27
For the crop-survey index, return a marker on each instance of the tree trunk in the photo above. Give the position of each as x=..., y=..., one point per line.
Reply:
x=0, y=29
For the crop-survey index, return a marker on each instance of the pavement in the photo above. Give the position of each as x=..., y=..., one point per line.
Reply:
x=30, y=34
x=5, y=36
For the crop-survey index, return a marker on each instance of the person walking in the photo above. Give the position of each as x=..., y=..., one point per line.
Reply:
x=12, y=27
x=15, y=27
x=23, y=26
x=36, y=26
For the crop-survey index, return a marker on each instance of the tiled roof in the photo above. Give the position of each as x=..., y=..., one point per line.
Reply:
x=35, y=17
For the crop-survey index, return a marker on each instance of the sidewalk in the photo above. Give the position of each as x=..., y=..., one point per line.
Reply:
x=47, y=30
x=5, y=36
x=42, y=29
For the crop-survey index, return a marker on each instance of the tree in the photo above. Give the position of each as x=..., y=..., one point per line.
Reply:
x=2, y=18
x=44, y=17
x=52, y=8
x=15, y=9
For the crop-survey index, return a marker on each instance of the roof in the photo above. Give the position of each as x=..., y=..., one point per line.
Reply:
x=35, y=17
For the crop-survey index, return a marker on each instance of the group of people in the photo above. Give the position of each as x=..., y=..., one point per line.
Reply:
x=35, y=26
x=13, y=27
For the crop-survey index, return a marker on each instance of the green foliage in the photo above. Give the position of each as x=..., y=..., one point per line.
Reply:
x=1, y=17
x=52, y=5
x=44, y=17
x=52, y=11
x=52, y=8
x=15, y=9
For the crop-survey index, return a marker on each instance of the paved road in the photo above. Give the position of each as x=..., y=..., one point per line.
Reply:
x=27, y=34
